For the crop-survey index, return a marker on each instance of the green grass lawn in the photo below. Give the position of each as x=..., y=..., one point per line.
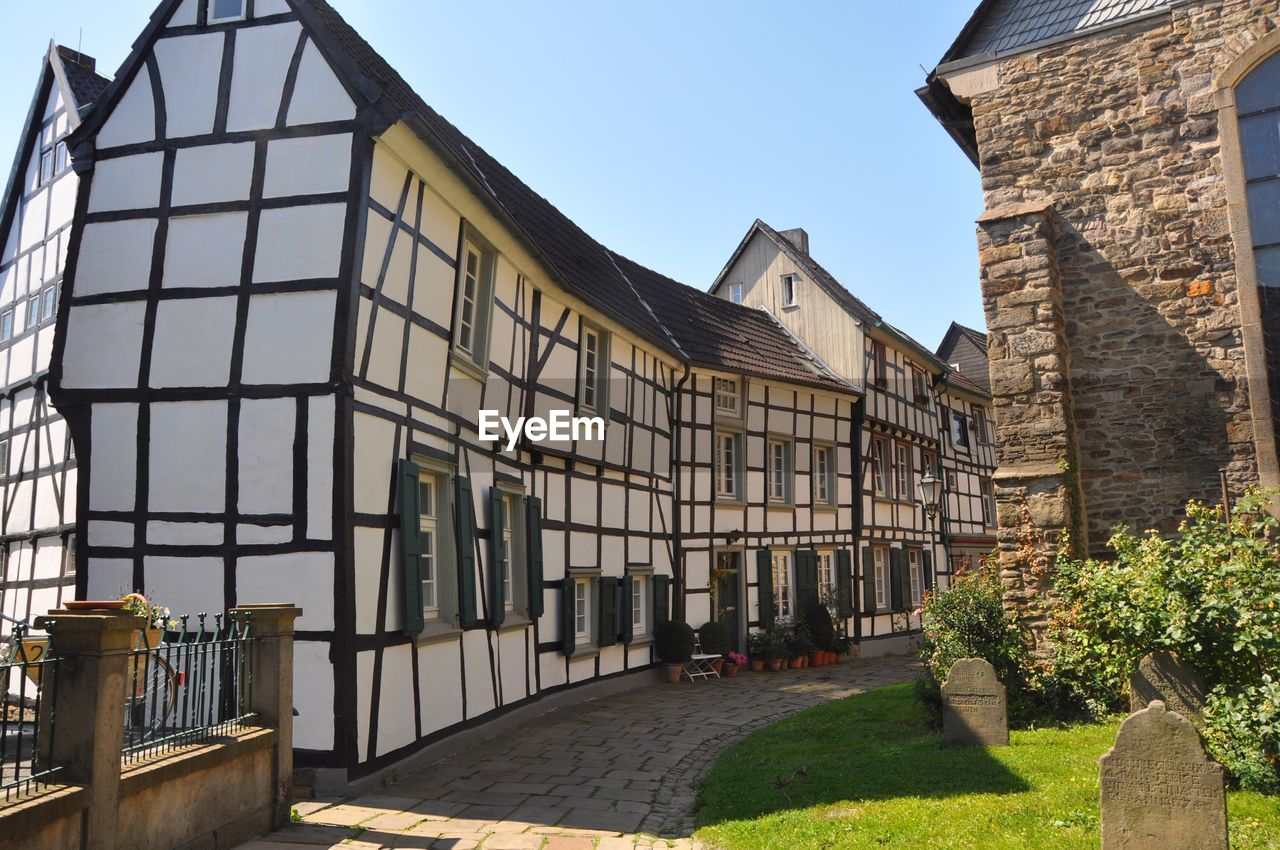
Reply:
x=879, y=776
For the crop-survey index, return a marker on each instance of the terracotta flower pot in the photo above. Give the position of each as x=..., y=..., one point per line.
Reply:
x=672, y=673
x=817, y=658
x=775, y=664
x=796, y=663
x=757, y=665
x=730, y=670
x=718, y=665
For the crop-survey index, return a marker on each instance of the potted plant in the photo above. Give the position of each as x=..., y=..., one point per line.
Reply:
x=673, y=641
x=733, y=662
x=157, y=616
x=757, y=648
x=775, y=648
x=798, y=647
x=714, y=639
x=822, y=633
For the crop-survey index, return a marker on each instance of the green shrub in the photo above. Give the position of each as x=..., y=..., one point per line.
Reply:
x=822, y=631
x=968, y=620
x=673, y=641
x=775, y=643
x=1212, y=595
x=715, y=638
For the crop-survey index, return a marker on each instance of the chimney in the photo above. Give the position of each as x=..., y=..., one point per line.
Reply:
x=798, y=237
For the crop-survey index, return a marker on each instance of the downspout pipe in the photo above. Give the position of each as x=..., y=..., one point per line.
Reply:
x=677, y=512
x=859, y=417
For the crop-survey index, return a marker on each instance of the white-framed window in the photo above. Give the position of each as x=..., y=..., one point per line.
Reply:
x=823, y=488
x=880, y=465
x=225, y=10
x=953, y=480
x=474, y=300
x=735, y=293
x=919, y=389
x=880, y=559
x=959, y=430
x=879, y=364
x=6, y=325
x=728, y=458
x=33, y=311
x=639, y=598
x=69, y=556
x=593, y=377
x=913, y=569
x=4, y=458
x=790, y=290
x=988, y=502
x=582, y=611
x=62, y=157
x=728, y=393
x=980, y=424
x=47, y=165
x=429, y=528
x=779, y=470
x=826, y=576
x=48, y=302
x=782, y=584
x=513, y=512
x=902, y=470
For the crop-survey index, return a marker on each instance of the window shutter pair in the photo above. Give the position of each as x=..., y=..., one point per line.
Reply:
x=868, y=580
x=844, y=584
x=897, y=579
x=661, y=599
x=626, y=601
x=499, y=565
x=607, y=634
x=410, y=546
x=567, y=615
x=806, y=580
x=465, y=516
x=533, y=530
x=764, y=582
x=927, y=562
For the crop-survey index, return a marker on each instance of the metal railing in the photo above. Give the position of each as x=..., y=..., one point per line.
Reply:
x=28, y=683
x=186, y=683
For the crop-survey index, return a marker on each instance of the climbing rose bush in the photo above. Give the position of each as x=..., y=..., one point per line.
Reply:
x=1211, y=593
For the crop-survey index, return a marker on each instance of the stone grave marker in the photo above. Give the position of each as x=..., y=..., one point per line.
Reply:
x=975, y=708
x=1164, y=676
x=1160, y=791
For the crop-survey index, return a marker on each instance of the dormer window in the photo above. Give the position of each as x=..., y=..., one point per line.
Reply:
x=735, y=293
x=225, y=10
x=728, y=396
x=790, y=290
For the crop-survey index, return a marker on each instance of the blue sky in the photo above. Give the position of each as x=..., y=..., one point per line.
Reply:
x=665, y=128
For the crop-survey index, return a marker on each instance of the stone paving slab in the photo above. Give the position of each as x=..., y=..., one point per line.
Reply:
x=612, y=774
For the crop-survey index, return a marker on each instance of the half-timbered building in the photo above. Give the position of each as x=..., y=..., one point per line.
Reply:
x=919, y=415
x=37, y=462
x=294, y=292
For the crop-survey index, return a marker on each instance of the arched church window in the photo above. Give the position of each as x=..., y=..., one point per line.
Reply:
x=1258, y=111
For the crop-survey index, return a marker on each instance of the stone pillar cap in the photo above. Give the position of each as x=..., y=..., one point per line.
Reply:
x=95, y=619
x=270, y=618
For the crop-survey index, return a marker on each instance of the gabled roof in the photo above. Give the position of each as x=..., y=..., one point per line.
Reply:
x=607, y=281
x=956, y=331
x=74, y=73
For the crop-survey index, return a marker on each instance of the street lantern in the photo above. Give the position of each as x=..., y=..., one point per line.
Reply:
x=930, y=492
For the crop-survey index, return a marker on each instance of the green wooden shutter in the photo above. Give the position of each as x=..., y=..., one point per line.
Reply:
x=533, y=531
x=567, y=615
x=608, y=619
x=464, y=510
x=806, y=580
x=844, y=583
x=896, y=575
x=868, y=580
x=627, y=603
x=661, y=600
x=764, y=587
x=410, y=546
x=927, y=563
x=498, y=557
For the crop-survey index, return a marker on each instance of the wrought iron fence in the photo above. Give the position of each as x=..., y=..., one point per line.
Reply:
x=187, y=681
x=28, y=682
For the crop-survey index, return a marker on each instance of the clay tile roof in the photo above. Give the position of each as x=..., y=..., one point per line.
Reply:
x=684, y=321
x=1003, y=25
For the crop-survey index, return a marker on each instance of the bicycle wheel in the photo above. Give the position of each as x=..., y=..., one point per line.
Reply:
x=151, y=695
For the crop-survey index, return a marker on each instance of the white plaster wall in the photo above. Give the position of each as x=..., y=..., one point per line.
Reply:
x=104, y=342
x=212, y=173
x=318, y=97
x=262, y=57
x=126, y=183
x=289, y=338
x=267, y=428
x=190, y=66
x=115, y=256
x=308, y=165
x=299, y=243
x=188, y=456
x=193, y=342
x=205, y=250
x=134, y=118
x=302, y=578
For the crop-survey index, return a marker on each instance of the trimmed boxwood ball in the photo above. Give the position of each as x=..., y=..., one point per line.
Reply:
x=673, y=641
x=715, y=638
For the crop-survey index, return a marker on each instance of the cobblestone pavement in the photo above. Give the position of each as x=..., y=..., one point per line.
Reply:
x=609, y=774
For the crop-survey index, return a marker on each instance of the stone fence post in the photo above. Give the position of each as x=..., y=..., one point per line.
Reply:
x=92, y=648
x=271, y=633
x=1038, y=494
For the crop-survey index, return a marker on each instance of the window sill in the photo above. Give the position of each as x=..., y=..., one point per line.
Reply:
x=437, y=631
x=513, y=622
x=468, y=366
x=823, y=507
x=584, y=652
x=640, y=641
x=779, y=506
x=729, y=502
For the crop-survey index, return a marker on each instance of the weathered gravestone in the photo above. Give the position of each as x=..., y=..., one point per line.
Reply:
x=1164, y=676
x=975, y=707
x=1160, y=791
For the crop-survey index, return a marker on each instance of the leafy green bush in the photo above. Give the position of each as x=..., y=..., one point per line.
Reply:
x=775, y=643
x=1212, y=595
x=968, y=620
x=822, y=630
x=714, y=638
x=673, y=641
